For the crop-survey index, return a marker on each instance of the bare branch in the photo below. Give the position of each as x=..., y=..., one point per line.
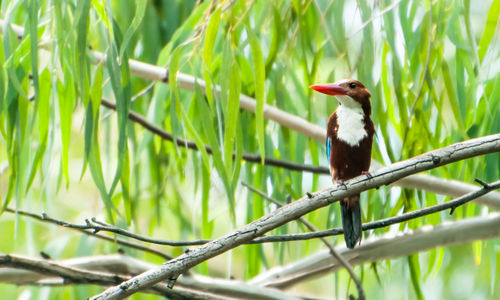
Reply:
x=430, y=160
x=388, y=221
x=82, y=229
x=388, y=246
x=450, y=187
x=93, y=226
x=74, y=275
x=213, y=288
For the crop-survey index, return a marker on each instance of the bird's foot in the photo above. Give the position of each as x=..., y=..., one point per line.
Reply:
x=340, y=183
x=369, y=176
x=367, y=173
x=309, y=195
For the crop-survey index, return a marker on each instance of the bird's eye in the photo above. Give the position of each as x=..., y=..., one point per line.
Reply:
x=352, y=85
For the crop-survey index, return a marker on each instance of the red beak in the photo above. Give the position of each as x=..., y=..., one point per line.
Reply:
x=329, y=89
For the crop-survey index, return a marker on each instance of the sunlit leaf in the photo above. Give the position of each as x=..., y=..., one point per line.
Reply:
x=260, y=75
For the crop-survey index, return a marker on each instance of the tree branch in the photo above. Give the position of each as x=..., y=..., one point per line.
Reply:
x=74, y=275
x=388, y=246
x=452, y=188
x=83, y=229
x=430, y=160
x=388, y=221
x=27, y=271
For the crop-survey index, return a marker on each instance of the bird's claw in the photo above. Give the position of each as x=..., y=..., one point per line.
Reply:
x=367, y=174
x=341, y=183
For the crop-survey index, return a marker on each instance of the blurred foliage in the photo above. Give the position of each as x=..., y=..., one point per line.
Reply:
x=432, y=68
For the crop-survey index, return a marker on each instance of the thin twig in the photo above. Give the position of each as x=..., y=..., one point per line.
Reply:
x=385, y=247
x=249, y=157
x=80, y=228
x=388, y=221
x=311, y=227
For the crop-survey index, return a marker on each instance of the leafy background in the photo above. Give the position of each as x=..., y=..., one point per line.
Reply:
x=432, y=68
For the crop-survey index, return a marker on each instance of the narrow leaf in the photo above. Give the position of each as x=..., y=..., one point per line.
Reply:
x=260, y=77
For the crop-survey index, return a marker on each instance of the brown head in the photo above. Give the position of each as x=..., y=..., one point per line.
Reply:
x=348, y=92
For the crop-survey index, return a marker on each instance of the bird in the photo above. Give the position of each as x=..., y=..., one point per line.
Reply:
x=349, y=138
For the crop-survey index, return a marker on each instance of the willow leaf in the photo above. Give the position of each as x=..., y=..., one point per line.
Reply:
x=140, y=9
x=260, y=77
x=208, y=46
x=413, y=263
x=231, y=118
x=43, y=114
x=66, y=100
x=489, y=28
x=120, y=82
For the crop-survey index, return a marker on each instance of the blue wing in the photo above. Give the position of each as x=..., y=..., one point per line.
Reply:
x=328, y=150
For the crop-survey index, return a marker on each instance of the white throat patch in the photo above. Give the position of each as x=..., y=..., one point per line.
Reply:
x=351, y=128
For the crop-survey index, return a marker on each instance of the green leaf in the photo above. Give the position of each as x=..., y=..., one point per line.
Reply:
x=478, y=250
x=489, y=28
x=82, y=60
x=184, y=31
x=413, y=263
x=119, y=74
x=125, y=184
x=260, y=77
x=66, y=100
x=197, y=139
x=210, y=37
x=207, y=225
x=174, y=94
x=452, y=96
x=95, y=166
x=92, y=116
x=207, y=128
x=237, y=157
x=275, y=41
x=231, y=118
x=140, y=9
x=98, y=7
x=43, y=110
x=33, y=32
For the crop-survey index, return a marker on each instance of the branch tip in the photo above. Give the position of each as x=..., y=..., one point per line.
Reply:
x=484, y=184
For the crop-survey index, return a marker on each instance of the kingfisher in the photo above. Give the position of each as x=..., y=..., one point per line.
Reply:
x=349, y=138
